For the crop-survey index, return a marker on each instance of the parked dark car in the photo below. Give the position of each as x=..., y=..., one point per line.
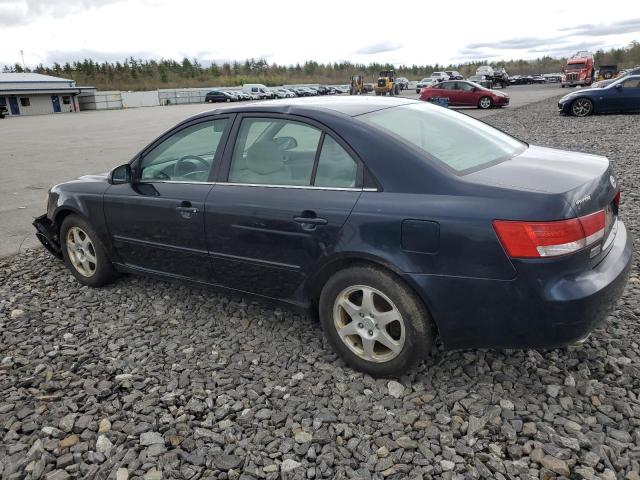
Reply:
x=469, y=233
x=454, y=75
x=219, y=96
x=623, y=95
x=465, y=94
x=482, y=80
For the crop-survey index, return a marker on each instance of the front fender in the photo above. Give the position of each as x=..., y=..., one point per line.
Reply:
x=83, y=198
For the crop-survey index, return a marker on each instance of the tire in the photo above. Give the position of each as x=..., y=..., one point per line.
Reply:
x=485, y=103
x=581, y=107
x=87, y=261
x=409, y=333
x=417, y=90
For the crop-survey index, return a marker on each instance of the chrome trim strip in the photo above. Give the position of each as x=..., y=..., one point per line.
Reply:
x=309, y=187
x=176, y=181
x=298, y=187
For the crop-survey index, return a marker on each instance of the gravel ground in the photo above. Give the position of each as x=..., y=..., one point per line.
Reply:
x=147, y=379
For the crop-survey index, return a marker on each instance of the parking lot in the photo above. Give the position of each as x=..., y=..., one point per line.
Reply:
x=40, y=151
x=168, y=381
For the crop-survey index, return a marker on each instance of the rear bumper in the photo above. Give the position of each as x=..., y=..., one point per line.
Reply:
x=47, y=233
x=526, y=313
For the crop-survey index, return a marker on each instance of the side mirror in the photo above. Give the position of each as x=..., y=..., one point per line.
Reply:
x=120, y=175
x=474, y=89
x=286, y=143
x=619, y=86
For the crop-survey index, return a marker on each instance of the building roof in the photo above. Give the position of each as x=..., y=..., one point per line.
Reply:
x=30, y=78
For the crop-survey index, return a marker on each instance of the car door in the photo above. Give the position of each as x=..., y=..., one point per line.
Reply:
x=465, y=94
x=286, y=189
x=627, y=97
x=156, y=223
x=449, y=92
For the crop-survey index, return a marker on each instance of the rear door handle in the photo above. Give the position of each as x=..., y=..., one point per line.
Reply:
x=311, y=220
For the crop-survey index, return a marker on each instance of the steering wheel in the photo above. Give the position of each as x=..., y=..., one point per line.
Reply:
x=180, y=164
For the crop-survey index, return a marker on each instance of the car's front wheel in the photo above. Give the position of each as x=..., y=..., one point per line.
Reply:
x=582, y=107
x=84, y=254
x=374, y=321
x=485, y=102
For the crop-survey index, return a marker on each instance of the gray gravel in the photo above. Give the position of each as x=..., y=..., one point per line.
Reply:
x=146, y=379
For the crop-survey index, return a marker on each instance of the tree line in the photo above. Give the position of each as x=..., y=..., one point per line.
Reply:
x=139, y=74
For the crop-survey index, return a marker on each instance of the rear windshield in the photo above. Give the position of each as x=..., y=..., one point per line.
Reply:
x=458, y=141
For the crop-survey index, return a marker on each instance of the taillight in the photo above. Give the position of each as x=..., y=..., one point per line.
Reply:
x=549, y=239
x=616, y=199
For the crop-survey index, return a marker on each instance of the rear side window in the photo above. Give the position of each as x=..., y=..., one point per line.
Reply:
x=274, y=152
x=458, y=141
x=270, y=151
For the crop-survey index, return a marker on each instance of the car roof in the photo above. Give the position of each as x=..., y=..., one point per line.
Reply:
x=352, y=105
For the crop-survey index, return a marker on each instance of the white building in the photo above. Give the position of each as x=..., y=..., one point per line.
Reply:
x=35, y=94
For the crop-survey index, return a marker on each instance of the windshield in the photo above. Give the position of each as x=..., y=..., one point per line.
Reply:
x=458, y=141
x=576, y=66
x=437, y=74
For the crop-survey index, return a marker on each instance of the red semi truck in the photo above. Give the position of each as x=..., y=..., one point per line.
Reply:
x=579, y=70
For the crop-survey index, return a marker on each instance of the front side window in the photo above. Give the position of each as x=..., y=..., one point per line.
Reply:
x=274, y=152
x=631, y=83
x=467, y=87
x=187, y=155
x=460, y=142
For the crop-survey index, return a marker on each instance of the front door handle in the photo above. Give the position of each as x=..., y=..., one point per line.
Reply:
x=310, y=220
x=186, y=210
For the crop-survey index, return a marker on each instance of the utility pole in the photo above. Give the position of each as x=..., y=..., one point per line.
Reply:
x=22, y=55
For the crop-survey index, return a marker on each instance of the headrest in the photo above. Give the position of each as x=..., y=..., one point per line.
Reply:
x=265, y=157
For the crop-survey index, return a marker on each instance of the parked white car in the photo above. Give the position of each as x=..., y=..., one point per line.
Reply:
x=426, y=82
x=485, y=70
x=440, y=76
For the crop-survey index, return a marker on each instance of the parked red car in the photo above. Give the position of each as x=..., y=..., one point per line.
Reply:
x=465, y=94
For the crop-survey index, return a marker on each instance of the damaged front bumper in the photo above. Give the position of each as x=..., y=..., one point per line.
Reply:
x=47, y=233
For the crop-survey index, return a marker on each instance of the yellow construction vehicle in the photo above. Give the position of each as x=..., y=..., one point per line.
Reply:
x=357, y=85
x=387, y=83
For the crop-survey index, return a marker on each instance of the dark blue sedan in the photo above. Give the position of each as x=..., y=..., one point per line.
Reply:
x=622, y=95
x=397, y=220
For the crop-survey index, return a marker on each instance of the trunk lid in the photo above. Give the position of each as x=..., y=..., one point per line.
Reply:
x=584, y=181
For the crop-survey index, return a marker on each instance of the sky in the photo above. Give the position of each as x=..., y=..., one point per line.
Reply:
x=287, y=32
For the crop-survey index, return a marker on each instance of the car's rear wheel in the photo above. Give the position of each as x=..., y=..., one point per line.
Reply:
x=374, y=321
x=582, y=107
x=485, y=102
x=84, y=254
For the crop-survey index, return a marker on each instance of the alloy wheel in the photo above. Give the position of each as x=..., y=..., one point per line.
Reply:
x=485, y=102
x=581, y=107
x=81, y=252
x=369, y=323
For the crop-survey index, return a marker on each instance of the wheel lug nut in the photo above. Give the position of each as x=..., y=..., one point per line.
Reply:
x=361, y=314
x=360, y=325
x=370, y=332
